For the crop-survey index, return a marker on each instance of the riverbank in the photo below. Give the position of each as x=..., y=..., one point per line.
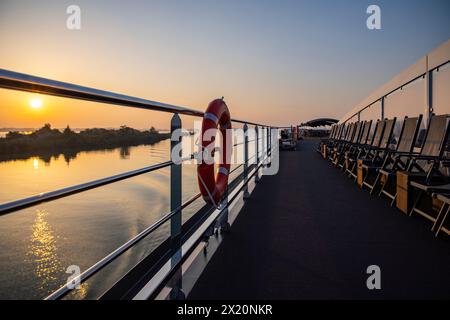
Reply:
x=48, y=141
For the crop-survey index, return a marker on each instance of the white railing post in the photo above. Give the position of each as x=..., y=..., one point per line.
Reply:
x=257, y=179
x=175, y=204
x=246, y=193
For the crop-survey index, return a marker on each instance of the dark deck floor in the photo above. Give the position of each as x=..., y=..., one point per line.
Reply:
x=310, y=233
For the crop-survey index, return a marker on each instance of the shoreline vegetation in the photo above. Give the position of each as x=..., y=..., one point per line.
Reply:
x=47, y=142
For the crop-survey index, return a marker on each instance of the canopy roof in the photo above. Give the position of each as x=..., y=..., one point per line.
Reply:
x=320, y=122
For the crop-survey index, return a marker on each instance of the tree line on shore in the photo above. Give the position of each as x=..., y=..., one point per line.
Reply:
x=51, y=140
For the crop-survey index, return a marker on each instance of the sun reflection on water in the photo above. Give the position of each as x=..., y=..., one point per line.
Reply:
x=53, y=243
x=81, y=292
x=43, y=252
x=35, y=163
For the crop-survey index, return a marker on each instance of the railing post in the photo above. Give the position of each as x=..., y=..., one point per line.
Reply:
x=175, y=203
x=270, y=140
x=263, y=144
x=222, y=220
x=257, y=179
x=382, y=108
x=246, y=193
x=430, y=108
x=268, y=146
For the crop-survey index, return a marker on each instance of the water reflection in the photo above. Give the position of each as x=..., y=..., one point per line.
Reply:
x=68, y=154
x=43, y=252
x=43, y=243
x=81, y=292
x=47, y=157
x=124, y=153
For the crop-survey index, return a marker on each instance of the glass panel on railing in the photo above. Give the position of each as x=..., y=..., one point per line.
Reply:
x=371, y=113
x=79, y=231
x=409, y=101
x=352, y=119
x=441, y=90
x=52, y=143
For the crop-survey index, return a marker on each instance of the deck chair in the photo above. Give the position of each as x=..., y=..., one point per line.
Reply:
x=340, y=134
x=324, y=141
x=362, y=142
x=340, y=153
x=423, y=163
x=374, y=155
x=333, y=132
x=440, y=223
x=374, y=143
x=405, y=145
x=430, y=163
x=354, y=141
x=364, y=137
x=339, y=145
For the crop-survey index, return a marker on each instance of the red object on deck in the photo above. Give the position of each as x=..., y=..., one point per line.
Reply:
x=212, y=187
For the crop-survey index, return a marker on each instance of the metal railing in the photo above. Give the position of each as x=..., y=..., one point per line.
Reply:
x=23, y=82
x=410, y=78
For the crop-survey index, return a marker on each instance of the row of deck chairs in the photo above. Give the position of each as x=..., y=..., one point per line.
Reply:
x=368, y=153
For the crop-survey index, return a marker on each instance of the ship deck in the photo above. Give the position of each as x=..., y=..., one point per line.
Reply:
x=310, y=233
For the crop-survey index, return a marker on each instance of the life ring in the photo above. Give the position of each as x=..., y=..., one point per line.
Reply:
x=212, y=187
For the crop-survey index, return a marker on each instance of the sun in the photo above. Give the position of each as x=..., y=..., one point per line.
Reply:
x=36, y=103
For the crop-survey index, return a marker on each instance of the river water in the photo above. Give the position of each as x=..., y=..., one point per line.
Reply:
x=40, y=243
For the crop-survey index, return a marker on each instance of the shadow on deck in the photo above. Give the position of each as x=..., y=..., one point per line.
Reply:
x=310, y=233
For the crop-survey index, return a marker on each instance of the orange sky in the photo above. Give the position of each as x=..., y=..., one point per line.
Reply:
x=276, y=63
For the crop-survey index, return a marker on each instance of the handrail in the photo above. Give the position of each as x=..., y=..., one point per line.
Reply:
x=24, y=82
x=65, y=289
x=387, y=94
x=13, y=206
x=16, y=205
x=395, y=89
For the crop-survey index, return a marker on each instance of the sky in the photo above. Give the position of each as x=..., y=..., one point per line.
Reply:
x=276, y=62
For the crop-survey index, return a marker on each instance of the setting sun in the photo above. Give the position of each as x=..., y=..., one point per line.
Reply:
x=36, y=103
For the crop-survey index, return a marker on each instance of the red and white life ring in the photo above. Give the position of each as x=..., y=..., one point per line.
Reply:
x=212, y=187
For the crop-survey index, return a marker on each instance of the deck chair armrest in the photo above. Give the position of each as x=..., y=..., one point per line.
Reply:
x=404, y=154
x=371, y=148
x=430, y=158
x=399, y=156
x=446, y=163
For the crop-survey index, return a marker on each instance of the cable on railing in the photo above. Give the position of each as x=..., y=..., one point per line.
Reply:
x=236, y=168
x=24, y=82
x=16, y=205
x=64, y=290
x=422, y=75
x=13, y=206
